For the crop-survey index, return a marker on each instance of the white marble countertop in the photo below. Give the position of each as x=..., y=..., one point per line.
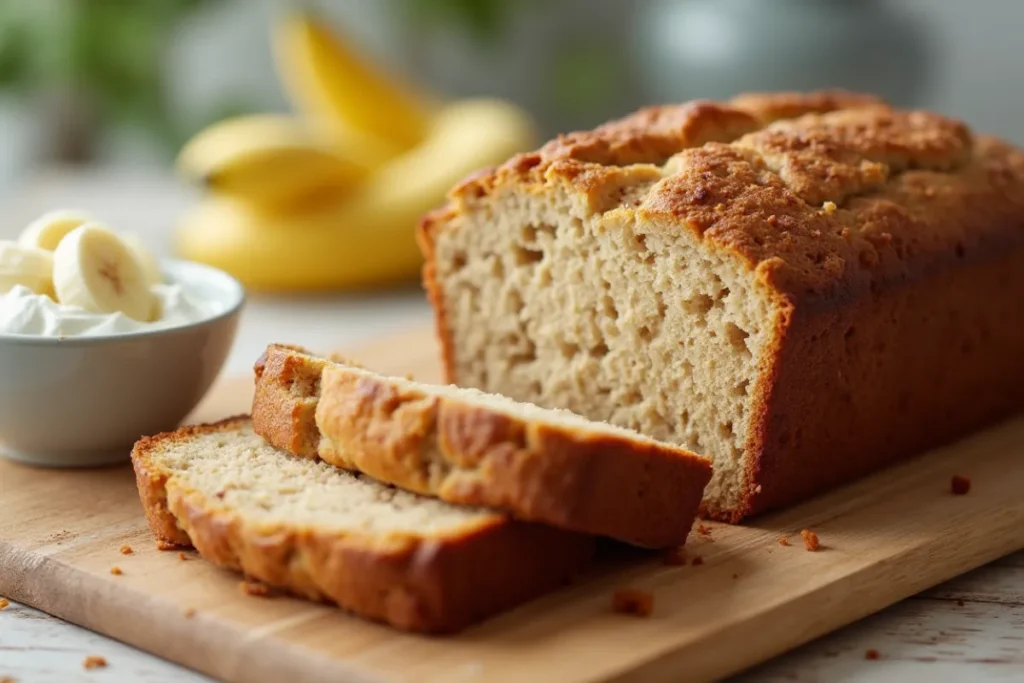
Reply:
x=971, y=629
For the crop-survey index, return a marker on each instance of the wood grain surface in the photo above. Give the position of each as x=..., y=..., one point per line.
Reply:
x=883, y=539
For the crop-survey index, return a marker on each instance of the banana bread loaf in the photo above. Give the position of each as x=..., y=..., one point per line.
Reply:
x=802, y=287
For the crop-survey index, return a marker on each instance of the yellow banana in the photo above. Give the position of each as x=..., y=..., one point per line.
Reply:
x=366, y=238
x=369, y=115
x=268, y=160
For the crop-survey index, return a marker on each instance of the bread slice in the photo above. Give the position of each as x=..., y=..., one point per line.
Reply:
x=325, y=534
x=802, y=287
x=468, y=447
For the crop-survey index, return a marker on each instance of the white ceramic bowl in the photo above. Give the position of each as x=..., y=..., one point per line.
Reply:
x=83, y=401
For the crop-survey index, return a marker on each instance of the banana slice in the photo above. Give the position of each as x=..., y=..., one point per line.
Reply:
x=48, y=230
x=25, y=266
x=96, y=270
x=150, y=263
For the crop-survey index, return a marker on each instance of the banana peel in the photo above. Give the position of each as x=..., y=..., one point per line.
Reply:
x=367, y=237
x=270, y=160
x=370, y=116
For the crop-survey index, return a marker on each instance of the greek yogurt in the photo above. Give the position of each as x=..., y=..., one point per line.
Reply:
x=24, y=312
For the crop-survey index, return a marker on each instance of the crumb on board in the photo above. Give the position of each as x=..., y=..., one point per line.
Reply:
x=697, y=561
x=4, y=603
x=256, y=589
x=94, y=662
x=784, y=541
x=116, y=571
x=632, y=601
x=810, y=540
x=126, y=549
x=959, y=602
x=960, y=485
x=703, y=530
x=190, y=612
x=674, y=557
x=182, y=556
x=871, y=654
x=163, y=545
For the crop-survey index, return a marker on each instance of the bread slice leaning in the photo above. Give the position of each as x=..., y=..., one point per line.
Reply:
x=471, y=448
x=325, y=534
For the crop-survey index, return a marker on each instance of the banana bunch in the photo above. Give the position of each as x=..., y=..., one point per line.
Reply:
x=78, y=262
x=330, y=199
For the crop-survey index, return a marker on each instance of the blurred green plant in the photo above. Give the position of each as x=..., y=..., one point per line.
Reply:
x=89, y=64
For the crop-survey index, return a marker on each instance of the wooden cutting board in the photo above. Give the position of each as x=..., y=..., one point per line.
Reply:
x=883, y=538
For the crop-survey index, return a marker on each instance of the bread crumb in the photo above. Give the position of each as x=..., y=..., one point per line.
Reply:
x=190, y=612
x=220, y=495
x=757, y=489
x=871, y=654
x=959, y=602
x=4, y=603
x=182, y=556
x=632, y=601
x=771, y=220
x=94, y=662
x=256, y=589
x=810, y=540
x=163, y=545
x=674, y=557
x=8, y=679
x=116, y=571
x=829, y=208
x=697, y=561
x=784, y=541
x=960, y=485
x=703, y=530
x=126, y=549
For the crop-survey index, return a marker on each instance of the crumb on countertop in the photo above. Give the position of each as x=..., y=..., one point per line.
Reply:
x=94, y=662
x=674, y=557
x=126, y=549
x=871, y=654
x=703, y=530
x=697, y=561
x=632, y=601
x=4, y=603
x=190, y=612
x=116, y=571
x=784, y=541
x=8, y=679
x=161, y=544
x=960, y=485
x=810, y=540
x=256, y=589
x=182, y=556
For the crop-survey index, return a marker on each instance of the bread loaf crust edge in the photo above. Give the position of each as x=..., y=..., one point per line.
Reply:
x=426, y=584
x=644, y=493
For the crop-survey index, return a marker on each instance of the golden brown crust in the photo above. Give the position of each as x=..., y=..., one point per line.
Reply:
x=464, y=452
x=891, y=241
x=440, y=583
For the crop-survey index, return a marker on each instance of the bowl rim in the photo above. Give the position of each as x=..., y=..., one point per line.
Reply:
x=237, y=301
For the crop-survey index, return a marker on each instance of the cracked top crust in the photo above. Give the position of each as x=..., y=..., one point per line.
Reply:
x=826, y=195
